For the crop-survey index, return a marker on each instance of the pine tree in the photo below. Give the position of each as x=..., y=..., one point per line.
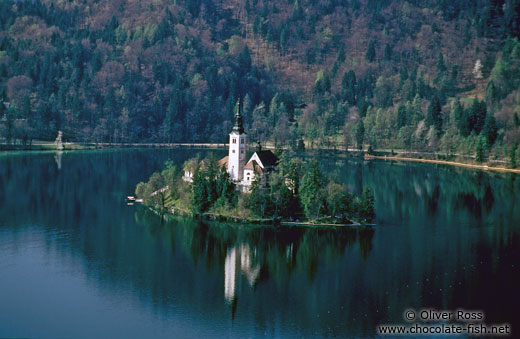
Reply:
x=283, y=40
x=258, y=200
x=512, y=155
x=309, y=190
x=341, y=55
x=371, y=51
x=25, y=111
x=244, y=62
x=490, y=130
x=387, y=55
x=401, y=116
x=435, y=115
x=348, y=87
x=441, y=66
x=360, y=134
x=479, y=152
x=458, y=111
x=479, y=111
x=199, y=198
x=367, y=205
x=225, y=189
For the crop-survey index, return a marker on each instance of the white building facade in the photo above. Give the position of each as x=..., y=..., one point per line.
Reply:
x=243, y=172
x=237, y=149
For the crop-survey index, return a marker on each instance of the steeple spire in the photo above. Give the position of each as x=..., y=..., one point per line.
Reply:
x=238, y=119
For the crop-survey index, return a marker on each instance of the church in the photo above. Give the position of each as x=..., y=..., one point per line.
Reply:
x=258, y=167
x=242, y=173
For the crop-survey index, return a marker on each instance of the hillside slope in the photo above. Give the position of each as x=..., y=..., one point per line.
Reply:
x=401, y=74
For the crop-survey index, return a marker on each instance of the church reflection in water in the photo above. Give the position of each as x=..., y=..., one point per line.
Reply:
x=239, y=264
x=57, y=158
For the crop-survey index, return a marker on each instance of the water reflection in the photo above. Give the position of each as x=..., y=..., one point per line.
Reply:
x=446, y=238
x=57, y=158
x=239, y=263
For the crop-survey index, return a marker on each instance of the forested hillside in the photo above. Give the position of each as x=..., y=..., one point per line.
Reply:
x=422, y=75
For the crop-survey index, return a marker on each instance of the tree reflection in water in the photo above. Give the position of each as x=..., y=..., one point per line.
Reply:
x=255, y=254
x=446, y=238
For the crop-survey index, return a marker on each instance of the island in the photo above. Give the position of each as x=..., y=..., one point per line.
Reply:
x=269, y=188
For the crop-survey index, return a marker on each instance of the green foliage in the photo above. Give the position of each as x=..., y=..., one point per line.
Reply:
x=154, y=192
x=259, y=202
x=360, y=134
x=127, y=80
x=322, y=83
x=172, y=73
x=384, y=92
x=140, y=190
x=339, y=201
x=171, y=177
x=310, y=190
x=370, y=54
x=480, y=149
x=490, y=130
x=293, y=192
x=435, y=116
x=211, y=186
x=387, y=54
x=225, y=190
x=199, y=199
x=512, y=155
x=367, y=205
x=244, y=61
x=401, y=116
x=284, y=202
x=474, y=118
x=505, y=75
x=348, y=87
x=458, y=111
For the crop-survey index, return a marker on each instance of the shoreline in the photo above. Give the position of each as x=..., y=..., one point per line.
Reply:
x=443, y=162
x=80, y=146
x=176, y=211
x=73, y=146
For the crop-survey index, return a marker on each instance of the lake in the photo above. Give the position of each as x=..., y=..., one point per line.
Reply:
x=77, y=261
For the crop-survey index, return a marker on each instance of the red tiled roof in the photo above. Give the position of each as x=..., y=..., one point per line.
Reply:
x=223, y=162
x=253, y=165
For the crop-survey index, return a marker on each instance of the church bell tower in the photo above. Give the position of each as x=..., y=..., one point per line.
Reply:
x=237, y=148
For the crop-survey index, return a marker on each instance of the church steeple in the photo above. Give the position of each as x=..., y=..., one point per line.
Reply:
x=237, y=147
x=238, y=127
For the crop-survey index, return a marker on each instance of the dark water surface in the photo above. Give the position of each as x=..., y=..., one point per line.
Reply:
x=76, y=261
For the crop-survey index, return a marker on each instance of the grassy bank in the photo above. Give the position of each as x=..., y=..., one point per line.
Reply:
x=483, y=166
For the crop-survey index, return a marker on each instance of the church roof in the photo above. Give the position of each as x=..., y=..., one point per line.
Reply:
x=253, y=165
x=238, y=127
x=267, y=158
x=224, y=161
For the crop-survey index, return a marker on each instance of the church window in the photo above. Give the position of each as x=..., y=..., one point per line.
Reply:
x=234, y=140
x=233, y=151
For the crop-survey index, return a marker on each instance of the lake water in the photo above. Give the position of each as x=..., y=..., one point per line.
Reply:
x=76, y=261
